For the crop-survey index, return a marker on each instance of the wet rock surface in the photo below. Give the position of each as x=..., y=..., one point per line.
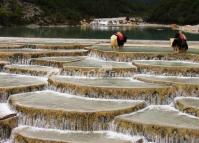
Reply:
x=105, y=91
x=2, y=64
x=167, y=67
x=182, y=86
x=34, y=135
x=111, y=88
x=47, y=46
x=97, y=68
x=12, y=84
x=58, y=46
x=169, y=79
x=165, y=122
x=8, y=121
x=23, y=56
x=69, y=112
x=142, y=53
x=34, y=70
x=189, y=105
x=56, y=61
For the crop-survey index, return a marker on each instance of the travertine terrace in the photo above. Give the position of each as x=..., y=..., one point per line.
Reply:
x=83, y=91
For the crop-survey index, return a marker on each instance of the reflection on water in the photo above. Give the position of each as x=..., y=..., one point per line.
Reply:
x=91, y=32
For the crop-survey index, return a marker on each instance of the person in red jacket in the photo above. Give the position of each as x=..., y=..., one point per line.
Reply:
x=180, y=42
x=117, y=40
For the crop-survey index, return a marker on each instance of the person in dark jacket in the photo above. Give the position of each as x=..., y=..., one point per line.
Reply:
x=180, y=42
x=117, y=40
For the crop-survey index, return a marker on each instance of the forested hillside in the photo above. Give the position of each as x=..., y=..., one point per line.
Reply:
x=61, y=11
x=52, y=12
x=175, y=11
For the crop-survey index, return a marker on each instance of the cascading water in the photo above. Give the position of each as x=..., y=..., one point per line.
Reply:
x=71, y=114
x=95, y=122
x=83, y=124
x=19, y=59
x=170, y=125
x=149, y=98
x=97, y=73
x=32, y=134
x=32, y=70
x=4, y=133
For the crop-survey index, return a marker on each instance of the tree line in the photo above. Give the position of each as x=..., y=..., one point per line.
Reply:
x=22, y=12
x=175, y=11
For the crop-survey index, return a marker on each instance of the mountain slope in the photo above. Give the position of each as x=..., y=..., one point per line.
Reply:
x=55, y=12
x=175, y=11
x=61, y=11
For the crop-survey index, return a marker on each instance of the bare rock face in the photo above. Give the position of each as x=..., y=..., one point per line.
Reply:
x=12, y=11
x=21, y=12
x=31, y=13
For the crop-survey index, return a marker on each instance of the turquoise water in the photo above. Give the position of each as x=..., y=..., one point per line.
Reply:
x=94, y=33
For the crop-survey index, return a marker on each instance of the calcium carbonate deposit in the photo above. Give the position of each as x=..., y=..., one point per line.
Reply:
x=85, y=93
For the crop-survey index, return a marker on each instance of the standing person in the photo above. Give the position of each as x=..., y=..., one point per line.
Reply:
x=117, y=40
x=180, y=42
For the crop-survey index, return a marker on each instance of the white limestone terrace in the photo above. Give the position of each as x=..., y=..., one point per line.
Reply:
x=168, y=79
x=153, y=114
x=34, y=70
x=111, y=88
x=160, y=124
x=55, y=136
x=13, y=83
x=148, y=62
x=22, y=40
x=49, y=109
x=189, y=105
x=167, y=67
x=92, y=67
